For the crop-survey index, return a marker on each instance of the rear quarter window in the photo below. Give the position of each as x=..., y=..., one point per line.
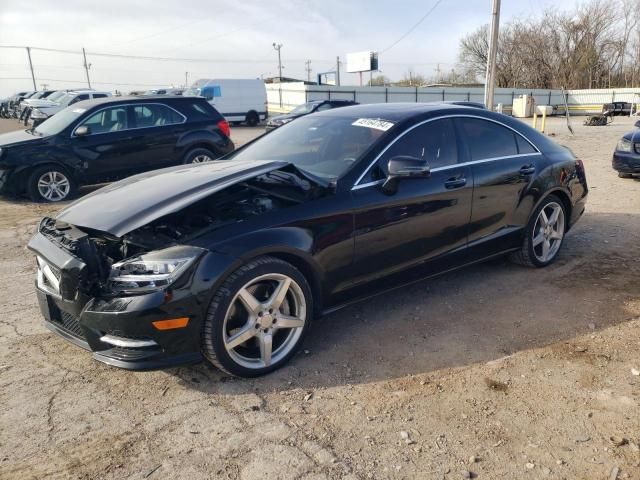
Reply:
x=198, y=109
x=487, y=139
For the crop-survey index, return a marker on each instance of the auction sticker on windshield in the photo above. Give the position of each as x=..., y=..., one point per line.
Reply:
x=373, y=123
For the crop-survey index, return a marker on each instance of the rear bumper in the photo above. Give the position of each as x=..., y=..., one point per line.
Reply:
x=626, y=162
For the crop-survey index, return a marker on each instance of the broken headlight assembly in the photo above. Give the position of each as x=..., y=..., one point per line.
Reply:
x=152, y=271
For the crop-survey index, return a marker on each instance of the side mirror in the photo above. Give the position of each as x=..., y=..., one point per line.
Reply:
x=404, y=166
x=82, y=131
x=637, y=124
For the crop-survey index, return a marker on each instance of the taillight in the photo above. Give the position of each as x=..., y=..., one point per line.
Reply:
x=580, y=171
x=223, y=125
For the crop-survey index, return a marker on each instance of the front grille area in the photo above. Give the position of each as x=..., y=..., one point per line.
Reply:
x=69, y=323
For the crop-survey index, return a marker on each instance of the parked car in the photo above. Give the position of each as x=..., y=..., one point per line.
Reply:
x=616, y=109
x=165, y=91
x=107, y=139
x=231, y=260
x=24, y=107
x=41, y=113
x=238, y=100
x=626, y=156
x=305, y=109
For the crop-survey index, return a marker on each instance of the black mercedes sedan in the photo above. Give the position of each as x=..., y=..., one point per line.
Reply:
x=626, y=157
x=230, y=261
x=102, y=140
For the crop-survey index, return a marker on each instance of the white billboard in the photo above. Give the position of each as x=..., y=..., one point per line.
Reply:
x=362, y=61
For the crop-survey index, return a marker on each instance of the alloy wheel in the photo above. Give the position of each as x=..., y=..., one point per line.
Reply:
x=548, y=232
x=264, y=321
x=54, y=186
x=202, y=158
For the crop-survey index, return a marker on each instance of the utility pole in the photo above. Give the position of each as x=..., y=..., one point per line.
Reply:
x=33, y=77
x=186, y=79
x=491, y=60
x=86, y=67
x=437, y=70
x=307, y=67
x=337, y=71
x=277, y=47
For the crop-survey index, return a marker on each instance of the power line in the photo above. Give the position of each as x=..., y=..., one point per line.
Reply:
x=163, y=59
x=412, y=28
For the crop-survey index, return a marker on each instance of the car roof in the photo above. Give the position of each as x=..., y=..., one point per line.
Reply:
x=132, y=99
x=397, y=112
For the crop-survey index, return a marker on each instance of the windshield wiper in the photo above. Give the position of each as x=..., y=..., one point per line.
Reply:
x=314, y=178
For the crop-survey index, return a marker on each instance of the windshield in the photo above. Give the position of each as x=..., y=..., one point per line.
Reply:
x=59, y=121
x=55, y=96
x=322, y=146
x=304, y=108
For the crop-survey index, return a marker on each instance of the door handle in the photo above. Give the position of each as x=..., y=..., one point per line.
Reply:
x=455, y=182
x=527, y=169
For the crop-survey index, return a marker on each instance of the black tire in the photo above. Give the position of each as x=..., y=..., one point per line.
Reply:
x=527, y=255
x=192, y=156
x=625, y=175
x=34, y=192
x=252, y=119
x=213, y=330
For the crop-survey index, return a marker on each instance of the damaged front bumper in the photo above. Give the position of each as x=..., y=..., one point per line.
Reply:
x=120, y=330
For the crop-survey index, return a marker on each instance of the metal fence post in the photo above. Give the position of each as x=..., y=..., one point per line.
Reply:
x=386, y=94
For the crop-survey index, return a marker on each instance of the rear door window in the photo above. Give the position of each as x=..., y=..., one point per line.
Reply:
x=79, y=98
x=487, y=139
x=155, y=115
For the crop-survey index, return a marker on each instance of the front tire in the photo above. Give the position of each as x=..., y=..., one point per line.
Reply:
x=544, y=234
x=199, y=155
x=258, y=318
x=50, y=183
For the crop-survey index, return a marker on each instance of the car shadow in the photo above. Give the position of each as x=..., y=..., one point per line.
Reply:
x=478, y=314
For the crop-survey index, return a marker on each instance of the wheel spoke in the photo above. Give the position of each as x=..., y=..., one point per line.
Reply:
x=553, y=219
x=288, y=321
x=280, y=293
x=249, y=301
x=546, y=246
x=555, y=235
x=266, y=345
x=538, y=239
x=247, y=333
x=543, y=218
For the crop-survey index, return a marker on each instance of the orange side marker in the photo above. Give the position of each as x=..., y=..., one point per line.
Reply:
x=171, y=324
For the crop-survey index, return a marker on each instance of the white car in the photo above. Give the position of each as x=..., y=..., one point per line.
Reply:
x=40, y=114
x=44, y=102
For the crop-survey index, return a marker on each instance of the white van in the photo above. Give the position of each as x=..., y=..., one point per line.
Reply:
x=238, y=100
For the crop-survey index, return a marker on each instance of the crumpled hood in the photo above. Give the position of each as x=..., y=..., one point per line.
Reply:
x=124, y=206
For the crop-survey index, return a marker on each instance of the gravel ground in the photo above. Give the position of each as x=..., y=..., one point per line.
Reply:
x=496, y=371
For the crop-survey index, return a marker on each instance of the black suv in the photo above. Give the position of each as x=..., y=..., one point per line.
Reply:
x=305, y=109
x=102, y=140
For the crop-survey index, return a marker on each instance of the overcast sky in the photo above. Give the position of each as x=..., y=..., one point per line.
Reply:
x=235, y=37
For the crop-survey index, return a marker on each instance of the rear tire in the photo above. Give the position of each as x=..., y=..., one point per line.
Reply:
x=199, y=155
x=252, y=119
x=544, y=235
x=258, y=318
x=50, y=183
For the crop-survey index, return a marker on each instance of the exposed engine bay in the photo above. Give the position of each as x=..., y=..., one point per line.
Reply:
x=237, y=203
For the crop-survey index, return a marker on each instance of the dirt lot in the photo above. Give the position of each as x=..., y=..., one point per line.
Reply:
x=495, y=371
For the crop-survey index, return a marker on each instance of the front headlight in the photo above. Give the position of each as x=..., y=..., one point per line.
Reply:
x=152, y=271
x=35, y=113
x=624, y=145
